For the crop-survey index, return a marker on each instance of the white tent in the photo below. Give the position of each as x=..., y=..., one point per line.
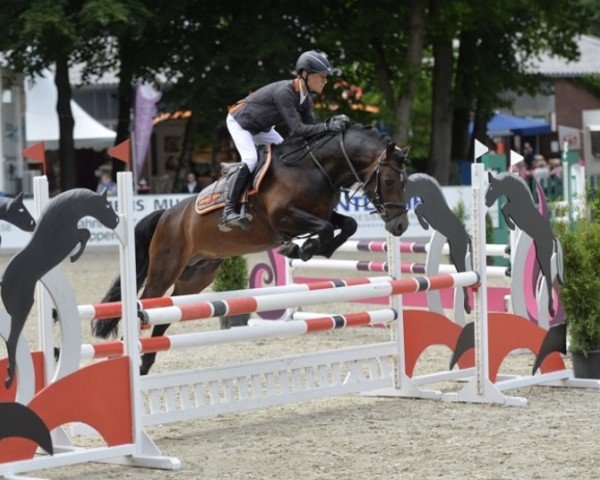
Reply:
x=41, y=119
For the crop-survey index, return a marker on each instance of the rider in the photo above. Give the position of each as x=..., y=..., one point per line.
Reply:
x=251, y=122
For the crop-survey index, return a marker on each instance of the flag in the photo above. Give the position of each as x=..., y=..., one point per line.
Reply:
x=122, y=152
x=146, y=98
x=36, y=154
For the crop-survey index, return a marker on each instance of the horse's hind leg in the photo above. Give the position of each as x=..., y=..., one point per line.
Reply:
x=193, y=279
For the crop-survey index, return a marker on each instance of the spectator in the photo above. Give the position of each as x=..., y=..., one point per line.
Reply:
x=540, y=172
x=555, y=165
x=528, y=155
x=106, y=185
x=191, y=184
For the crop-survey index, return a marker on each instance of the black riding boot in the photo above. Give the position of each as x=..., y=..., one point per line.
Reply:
x=231, y=217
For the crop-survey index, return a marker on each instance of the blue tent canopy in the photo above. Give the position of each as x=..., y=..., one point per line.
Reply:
x=501, y=125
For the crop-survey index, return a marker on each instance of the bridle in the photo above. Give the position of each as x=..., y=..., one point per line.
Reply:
x=381, y=206
x=379, y=203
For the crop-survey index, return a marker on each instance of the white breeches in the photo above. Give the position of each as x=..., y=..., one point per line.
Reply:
x=246, y=143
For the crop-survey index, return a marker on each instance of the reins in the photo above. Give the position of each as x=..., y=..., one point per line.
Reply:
x=380, y=205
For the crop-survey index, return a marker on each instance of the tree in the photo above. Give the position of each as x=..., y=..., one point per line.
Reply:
x=493, y=56
x=40, y=34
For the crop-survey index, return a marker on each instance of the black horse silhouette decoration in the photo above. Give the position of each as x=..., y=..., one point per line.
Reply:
x=13, y=211
x=56, y=235
x=22, y=422
x=434, y=210
x=520, y=211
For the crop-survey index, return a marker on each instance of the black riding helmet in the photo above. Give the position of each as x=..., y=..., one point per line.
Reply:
x=313, y=62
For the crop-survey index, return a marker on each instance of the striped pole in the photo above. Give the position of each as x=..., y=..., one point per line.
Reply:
x=379, y=246
x=366, y=266
x=267, y=329
x=243, y=305
x=99, y=311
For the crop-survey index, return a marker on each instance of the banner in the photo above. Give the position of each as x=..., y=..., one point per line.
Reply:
x=146, y=98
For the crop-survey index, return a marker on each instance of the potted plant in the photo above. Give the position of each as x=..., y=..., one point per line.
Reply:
x=232, y=275
x=581, y=294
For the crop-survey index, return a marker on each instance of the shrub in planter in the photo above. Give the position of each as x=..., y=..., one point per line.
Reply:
x=233, y=275
x=581, y=294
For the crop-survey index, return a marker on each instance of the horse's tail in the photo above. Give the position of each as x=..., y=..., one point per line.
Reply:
x=560, y=273
x=144, y=231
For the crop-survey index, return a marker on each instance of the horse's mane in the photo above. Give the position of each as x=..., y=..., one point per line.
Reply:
x=297, y=142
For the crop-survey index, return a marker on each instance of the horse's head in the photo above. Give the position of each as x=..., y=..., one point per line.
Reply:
x=385, y=188
x=102, y=211
x=18, y=215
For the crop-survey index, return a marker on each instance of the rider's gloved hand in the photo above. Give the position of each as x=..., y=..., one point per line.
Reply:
x=337, y=123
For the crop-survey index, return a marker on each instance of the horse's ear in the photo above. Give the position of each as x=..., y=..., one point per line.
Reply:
x=490, y=176
x=105, y=193
x=19, y=197
x=389, y=151
x=405, y=150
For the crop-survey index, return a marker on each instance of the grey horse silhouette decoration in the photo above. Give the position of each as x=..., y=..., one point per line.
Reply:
x=56, y=235
x=520, y=211
x=434, y=211
x=13, y=211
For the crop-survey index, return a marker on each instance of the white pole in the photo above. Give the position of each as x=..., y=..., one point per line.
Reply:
x=129, y=298
x=479, y=263
x=44, y=302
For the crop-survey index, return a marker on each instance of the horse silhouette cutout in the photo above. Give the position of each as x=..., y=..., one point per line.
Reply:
x=434, y=211
x=520, y=211
x=13, y=211
x=21, y=422
x=55, y=236
x=298, y=195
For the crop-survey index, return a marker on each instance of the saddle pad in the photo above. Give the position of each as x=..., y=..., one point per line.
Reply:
x=212, y=197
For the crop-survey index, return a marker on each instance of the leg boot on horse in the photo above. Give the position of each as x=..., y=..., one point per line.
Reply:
x=231, y=217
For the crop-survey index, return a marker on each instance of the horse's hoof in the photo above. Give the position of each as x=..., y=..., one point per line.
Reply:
x=310, y=247
x=289, y=250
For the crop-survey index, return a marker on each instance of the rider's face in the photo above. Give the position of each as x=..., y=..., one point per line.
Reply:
x=316, y=82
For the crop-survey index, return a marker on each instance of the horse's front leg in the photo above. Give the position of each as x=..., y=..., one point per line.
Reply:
x=304, y=222
x=348, y=228
x=84, y=236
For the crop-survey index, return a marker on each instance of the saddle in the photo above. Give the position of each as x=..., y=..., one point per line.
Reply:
x=212, y=197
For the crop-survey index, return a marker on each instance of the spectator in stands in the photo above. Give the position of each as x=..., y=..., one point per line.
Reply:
x=106, y=185
x=555, y=165
x=191, y=184
x=528, y=155
x=541, y=171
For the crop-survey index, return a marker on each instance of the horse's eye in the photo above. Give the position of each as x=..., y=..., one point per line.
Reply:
x=388, y=182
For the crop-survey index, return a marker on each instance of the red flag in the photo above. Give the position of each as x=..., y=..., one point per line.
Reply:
x=122, y=152
x=36, y=154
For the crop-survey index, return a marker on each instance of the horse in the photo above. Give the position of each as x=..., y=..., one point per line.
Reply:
x=55, y=236
x=520, y=210
x=297, y=197
x=433, y=210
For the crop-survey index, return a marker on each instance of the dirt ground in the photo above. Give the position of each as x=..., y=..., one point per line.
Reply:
x=354, y=437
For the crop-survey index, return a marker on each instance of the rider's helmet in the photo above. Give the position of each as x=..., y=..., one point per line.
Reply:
x=313, y=62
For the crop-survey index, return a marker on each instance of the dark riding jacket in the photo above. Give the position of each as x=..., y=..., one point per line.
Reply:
x=275, y=103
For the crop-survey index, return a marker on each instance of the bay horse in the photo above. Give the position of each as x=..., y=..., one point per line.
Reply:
x=297, y=196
